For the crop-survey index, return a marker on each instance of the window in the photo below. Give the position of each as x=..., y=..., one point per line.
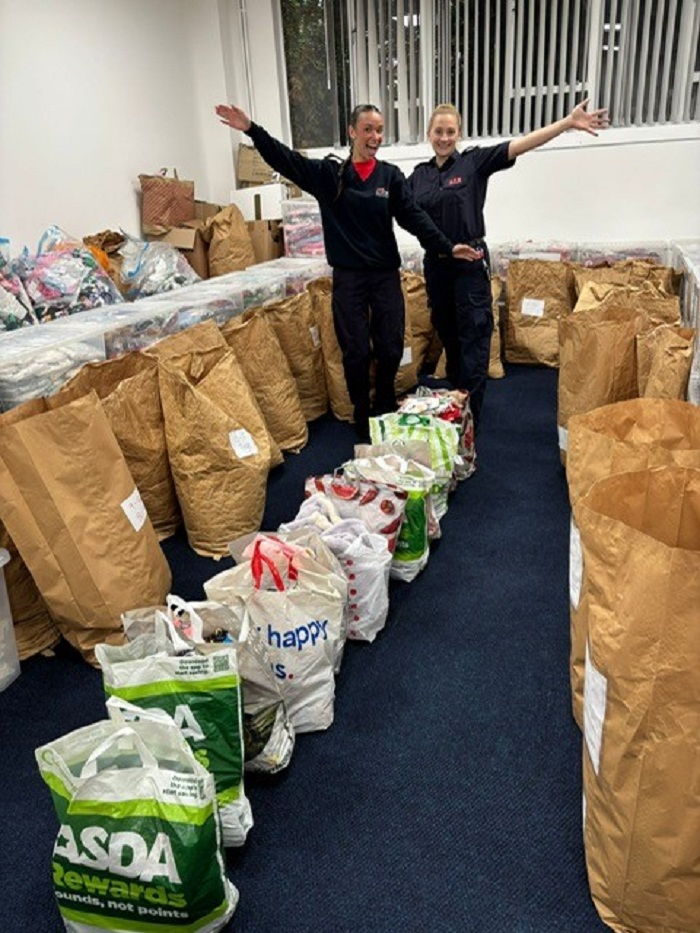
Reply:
x=508, y=65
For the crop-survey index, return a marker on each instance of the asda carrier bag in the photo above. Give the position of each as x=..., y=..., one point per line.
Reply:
x=300, y=615
x=202, y=694
x=139, y=844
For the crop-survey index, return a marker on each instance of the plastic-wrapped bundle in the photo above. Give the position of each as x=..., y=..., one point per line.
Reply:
x=255, y=288
x=66, y=281
x=15, y=306
x=149, y=268
x=39, y=360
x=411, y=258
x=297, y=271
x=605, y=254
x=548, y=251
x=303, y=231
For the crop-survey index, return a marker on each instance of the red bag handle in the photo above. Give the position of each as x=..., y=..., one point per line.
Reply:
x=259, y=561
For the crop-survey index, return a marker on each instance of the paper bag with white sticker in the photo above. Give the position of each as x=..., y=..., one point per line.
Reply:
x=218, y=443
x=640, y=536
x=69, y=502
x=540, y=294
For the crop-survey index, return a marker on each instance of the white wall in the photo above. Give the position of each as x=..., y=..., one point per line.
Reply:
x=96, y=93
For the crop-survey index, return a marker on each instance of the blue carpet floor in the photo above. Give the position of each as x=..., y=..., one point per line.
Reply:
x=445, y=797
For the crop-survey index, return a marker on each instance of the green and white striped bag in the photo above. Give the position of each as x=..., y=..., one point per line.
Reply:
x=442, y=438
x=202, y=693
x=139, y=848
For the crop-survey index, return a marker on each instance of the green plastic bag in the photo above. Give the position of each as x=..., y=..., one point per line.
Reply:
x=139, y=846
x=202, y=693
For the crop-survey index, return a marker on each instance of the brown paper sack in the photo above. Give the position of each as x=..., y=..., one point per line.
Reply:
x=496, y=370
x=418, y=316
x=265, y=366
x=407, y=374
x=341, y=406
x=633, y=435
x=34, y=629
x=230, y=246
x=626, y=272
x=294, y=323
x=597, y=363
x=657, y=306
x=206, y=339
x=218, y=443
x=664, y=359
x=165, y=202
x=128, y=389
x=540, y=294
x=640, y=536
x=71, y=506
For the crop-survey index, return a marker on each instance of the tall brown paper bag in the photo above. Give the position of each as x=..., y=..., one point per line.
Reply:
x=633, y=435
x=295, y=325
x=640, y=535
x=254, y=341
x=218, y=443
x=34, y=629
x=128, y=389
x=71, y=506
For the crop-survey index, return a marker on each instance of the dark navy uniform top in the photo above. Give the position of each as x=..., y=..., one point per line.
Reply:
x=357, y=226
x=454, y=194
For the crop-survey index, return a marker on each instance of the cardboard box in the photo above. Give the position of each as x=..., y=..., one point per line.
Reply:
x=188, y=240
x=267, y=239
x=263, y=202
x=252, y=169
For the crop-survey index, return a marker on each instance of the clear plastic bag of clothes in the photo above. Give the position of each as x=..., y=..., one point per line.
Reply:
x=151, y=268
x=66, y=277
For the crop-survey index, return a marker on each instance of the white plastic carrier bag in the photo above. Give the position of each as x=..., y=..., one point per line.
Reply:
x=299, y=613
x=139, y=844
x=202, y=693
x=416, y=481
x=365, y=558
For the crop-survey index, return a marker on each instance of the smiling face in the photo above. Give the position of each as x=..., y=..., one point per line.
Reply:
x=366, y=135
x=443, y=135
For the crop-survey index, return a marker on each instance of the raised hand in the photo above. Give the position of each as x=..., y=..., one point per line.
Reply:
x=588, y=122
x=233, y=117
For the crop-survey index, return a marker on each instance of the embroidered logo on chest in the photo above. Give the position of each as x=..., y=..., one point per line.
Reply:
x=382, y=193
x=457, y=180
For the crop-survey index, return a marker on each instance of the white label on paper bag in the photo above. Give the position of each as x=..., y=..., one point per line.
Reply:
x=533, y=307
x=315, y=336
x=563, y=438
x=407, y=357
x=575, y=564
x=242, y=443
x=135, y=510
x=595, y=694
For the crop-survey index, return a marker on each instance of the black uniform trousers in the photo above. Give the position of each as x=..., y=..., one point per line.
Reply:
x=369, y=318
x=459, y=295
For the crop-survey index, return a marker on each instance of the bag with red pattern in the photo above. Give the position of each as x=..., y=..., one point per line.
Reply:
x=380, y=508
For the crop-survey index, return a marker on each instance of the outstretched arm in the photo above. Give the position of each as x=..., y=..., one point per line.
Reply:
x=578, y=119
x=292, y=165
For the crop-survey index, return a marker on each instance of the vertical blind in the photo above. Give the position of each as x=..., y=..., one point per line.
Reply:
x=512, y=65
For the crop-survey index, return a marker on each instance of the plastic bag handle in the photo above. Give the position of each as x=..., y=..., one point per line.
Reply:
x=259, y=561
x=148, y=759
x=122, y=712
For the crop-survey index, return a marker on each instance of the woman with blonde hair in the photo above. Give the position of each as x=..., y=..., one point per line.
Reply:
x=451, y=187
